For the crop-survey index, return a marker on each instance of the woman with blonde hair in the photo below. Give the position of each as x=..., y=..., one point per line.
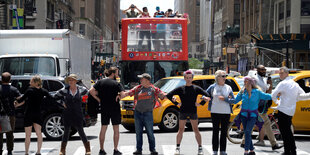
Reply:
x=72, y=114
x=250, y=96
x=33, y=99
x=220, y=106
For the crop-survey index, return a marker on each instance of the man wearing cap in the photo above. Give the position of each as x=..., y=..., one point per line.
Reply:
x=132, y=13
x=145, y=100
x=105, y=92
x=188, y=95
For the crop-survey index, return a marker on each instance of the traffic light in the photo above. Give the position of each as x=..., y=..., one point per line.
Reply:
x=102, y=62
x=59, y=24
x=224, y=51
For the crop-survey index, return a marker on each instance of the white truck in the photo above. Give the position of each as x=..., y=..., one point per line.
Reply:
x=48, y=52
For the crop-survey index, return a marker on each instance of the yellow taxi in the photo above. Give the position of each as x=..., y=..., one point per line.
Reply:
x=166, y=117
x=300, y=119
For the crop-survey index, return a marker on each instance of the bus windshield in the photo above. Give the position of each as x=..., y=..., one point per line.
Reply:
x=154, y=37
x=28, y=65
x=157, y=70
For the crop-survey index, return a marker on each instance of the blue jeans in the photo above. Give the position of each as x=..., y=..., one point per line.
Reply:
x=144, y=119
x=248, y=124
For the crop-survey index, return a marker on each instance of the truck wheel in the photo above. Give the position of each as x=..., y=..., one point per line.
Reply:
x=130, y=128
x=170, y=120
x=52, y=127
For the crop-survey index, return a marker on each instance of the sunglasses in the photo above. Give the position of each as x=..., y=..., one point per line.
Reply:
x=223, y=76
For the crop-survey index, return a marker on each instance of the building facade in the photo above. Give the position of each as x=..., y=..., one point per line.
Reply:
x=192, y=7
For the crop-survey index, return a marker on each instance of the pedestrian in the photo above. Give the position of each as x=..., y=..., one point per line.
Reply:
x=73, y=116
x=33, y=99
x=158, y=12
x=132, y=13
x=145, y=100
x=145, y=32
x=105, y=92
x=266, y=86
x=220, y=106
x=250, y=96
x=188, y=108
x=290, y=92
x=8, y=94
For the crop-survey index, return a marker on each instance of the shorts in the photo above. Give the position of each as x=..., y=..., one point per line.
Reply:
x=29, y=120
x=191, y=116
x=115, y=118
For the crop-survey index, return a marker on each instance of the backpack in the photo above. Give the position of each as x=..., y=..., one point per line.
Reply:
x=4, y=102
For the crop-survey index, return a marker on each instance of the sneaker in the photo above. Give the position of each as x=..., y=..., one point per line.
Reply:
x=102, y=152
x=252, y=153
x=223, y=153
x=154, y=152
x=177, y=151
x=200, y=152
x=138, y=152
x=214, y=153
x=9, y=153
x=276, y=146
x=260, y=143
x=116, y=152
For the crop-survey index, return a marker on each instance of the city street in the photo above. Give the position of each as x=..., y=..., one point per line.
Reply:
x=165, y=143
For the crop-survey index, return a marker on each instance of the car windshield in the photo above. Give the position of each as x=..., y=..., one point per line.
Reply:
x=240, y=81
x=276, y=80
x=166, y=85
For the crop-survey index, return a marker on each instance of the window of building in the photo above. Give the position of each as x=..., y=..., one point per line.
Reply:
x=82, y=29
x=305, y=7
x=288, y=8
x=237, y=8
x=197, y=2
x=281, y=30
x=197, y=48
x=281, y=10
x=50, y=10
x=287, y=29
x=244, y=5
x=82, y=12
x=304, y=28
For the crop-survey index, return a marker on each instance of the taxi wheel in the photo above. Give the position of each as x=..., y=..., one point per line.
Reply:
x=170, y=120
x=130, y=128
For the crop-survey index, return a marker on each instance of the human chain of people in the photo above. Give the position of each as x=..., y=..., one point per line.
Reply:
x=108, y=92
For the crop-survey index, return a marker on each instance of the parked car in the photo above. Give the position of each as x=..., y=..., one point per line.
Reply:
x=166, y=117
x=51, y=109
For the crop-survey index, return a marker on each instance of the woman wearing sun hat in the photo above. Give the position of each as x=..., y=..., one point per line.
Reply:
x=72, y=114
x=250, y=96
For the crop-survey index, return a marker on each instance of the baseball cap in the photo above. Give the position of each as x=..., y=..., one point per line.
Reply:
x=145, y=75
x=157, y=8
x=132, y=6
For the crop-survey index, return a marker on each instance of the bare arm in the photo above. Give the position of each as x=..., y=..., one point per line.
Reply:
x=140, y=12
x=16, y=104
x=94, y=93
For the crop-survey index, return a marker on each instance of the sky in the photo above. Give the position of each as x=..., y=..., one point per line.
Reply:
x=150, y=4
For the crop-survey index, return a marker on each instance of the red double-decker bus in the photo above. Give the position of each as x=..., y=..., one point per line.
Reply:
x=157, y=46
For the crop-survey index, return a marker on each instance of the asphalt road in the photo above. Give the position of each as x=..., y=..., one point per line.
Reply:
x=165, y=143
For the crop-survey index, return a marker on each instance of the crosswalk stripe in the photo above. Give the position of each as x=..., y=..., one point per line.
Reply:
x=168, y=149
x=127, y=150
x=44, y=151
x=81, y=150
x=208, y=148
x=301, y=152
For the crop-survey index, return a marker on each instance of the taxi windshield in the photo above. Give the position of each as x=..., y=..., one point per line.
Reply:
x=167, y=85
x=276, y=80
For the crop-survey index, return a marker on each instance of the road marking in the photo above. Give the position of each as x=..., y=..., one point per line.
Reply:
x=301, y=152
x=81, y=150
x=168, y=149
x=208, y=148
x=127, y=150
x=44, y=151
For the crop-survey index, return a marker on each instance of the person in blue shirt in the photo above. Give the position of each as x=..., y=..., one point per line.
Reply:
x=250, y=96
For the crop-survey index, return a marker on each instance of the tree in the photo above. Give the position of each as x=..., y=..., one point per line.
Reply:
x=194, y=63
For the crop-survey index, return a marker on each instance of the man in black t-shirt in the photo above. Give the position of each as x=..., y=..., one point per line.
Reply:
x=105, y=92
x=188, y=107
x=11, y=93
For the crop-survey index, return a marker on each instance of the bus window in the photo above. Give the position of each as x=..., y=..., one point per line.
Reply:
x=154, y=37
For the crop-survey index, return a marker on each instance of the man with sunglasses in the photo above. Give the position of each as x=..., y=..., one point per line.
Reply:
x=266, y=86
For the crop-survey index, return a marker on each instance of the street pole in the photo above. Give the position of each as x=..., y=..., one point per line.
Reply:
x=287, y=54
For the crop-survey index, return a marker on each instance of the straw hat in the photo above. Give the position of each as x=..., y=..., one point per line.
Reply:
x=71, y=76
